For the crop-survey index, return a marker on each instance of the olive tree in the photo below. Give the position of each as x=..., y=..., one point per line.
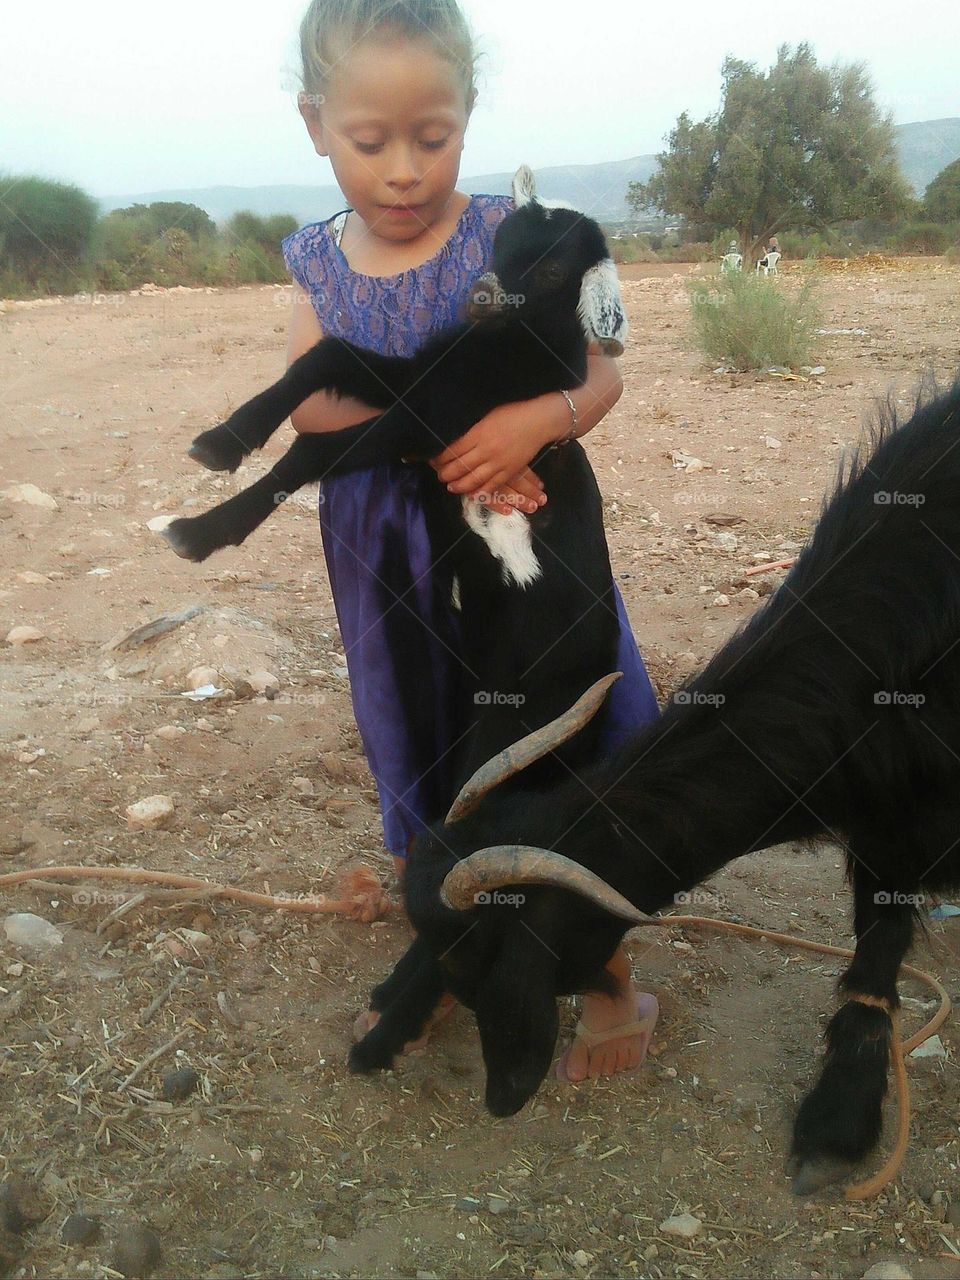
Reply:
x=798, y=145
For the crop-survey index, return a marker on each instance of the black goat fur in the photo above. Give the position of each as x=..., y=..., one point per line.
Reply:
x=833, y=714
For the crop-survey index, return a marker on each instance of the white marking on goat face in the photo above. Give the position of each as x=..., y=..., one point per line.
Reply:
x=524, y=186
x=509, y=539
x=601, y=308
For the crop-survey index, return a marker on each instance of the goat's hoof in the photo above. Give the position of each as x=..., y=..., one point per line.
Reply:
x=367, y=1056
x=183, y=539
x=216, y=452
x=812, y=1173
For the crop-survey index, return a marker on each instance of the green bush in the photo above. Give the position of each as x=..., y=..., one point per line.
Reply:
x=921, y=237
x=632, y=249
x=942, y=199
x=693, y=251
x=754, y=322
x=168, y=215
x=46, y=231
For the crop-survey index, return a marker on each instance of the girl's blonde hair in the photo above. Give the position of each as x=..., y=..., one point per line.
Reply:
x=330, y=28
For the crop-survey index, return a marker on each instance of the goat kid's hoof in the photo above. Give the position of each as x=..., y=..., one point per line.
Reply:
x=812, y=1173
x=217, y=451
x=183, y=538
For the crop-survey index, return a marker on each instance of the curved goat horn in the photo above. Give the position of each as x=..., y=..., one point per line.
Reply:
x=488, y=869
x=530, y=749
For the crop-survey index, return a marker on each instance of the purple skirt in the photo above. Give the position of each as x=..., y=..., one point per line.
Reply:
x=391, y=599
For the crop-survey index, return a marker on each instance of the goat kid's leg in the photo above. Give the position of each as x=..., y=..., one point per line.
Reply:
x=387, y=438
x=405, y=1002
x=840, y=1120
x=330, y=365
x=232, y=522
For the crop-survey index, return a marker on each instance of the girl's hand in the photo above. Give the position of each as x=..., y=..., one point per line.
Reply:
x=493, y=456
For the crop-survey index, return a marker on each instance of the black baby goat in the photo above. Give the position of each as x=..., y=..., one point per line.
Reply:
x=538, y=620
x=834, y=713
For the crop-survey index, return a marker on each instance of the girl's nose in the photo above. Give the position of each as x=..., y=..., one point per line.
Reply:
x=403, y=169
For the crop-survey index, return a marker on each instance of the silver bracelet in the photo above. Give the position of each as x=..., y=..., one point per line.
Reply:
x=572, y=433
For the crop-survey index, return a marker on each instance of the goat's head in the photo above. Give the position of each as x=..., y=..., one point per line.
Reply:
x=508, y=953
x=550, y=259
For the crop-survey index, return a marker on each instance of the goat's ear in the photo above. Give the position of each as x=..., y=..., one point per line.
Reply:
x=601, y=308
x=517, y=1019
x=524, y=186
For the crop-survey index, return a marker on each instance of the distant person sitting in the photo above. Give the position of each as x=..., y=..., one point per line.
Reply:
x=732, y=260
x=771, y=258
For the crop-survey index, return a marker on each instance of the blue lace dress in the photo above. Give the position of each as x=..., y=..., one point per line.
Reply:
x=390, y=599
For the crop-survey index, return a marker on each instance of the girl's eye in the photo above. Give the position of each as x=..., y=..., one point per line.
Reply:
x=368, y=148
x=435, y=144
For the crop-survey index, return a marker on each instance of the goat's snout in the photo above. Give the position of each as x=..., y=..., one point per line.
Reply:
x=510, y=1093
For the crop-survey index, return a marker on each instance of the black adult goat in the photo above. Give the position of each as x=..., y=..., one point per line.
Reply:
x=835, y=712
x=538, y=620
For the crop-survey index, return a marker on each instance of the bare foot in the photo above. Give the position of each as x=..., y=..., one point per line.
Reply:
x=596, y=1049
x=369, y=1019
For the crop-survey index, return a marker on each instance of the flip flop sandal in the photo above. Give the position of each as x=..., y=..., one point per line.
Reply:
x=593, y=1038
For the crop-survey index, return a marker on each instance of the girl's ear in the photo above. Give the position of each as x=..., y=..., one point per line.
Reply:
x=310, y=111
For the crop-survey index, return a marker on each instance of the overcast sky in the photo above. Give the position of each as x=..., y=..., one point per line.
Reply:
x=126, y=97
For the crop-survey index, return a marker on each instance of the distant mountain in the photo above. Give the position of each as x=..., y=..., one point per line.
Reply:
x=925, y=148
x=598, y=189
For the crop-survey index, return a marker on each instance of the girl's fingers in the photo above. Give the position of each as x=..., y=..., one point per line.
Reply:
x=505, y=500
x=484, y=476
x=459, y=449
x=458, y=468
x=529, y=484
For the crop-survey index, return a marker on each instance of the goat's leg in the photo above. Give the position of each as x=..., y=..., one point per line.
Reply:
x=839, y=1121
x=331, y=364
x=387, y=438
x=405, y=1002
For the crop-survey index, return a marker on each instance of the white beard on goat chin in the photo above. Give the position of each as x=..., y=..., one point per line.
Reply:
x=509, y=539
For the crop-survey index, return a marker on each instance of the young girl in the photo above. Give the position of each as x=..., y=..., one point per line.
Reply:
x=388, y=89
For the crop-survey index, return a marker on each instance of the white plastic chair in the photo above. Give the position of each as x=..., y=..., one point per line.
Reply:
x=768, y=264
x=730, y=262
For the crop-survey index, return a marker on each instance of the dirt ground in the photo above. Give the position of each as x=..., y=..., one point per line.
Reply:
x=282, y=1163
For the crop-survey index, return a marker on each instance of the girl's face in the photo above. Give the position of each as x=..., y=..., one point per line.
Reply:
x=392, y=123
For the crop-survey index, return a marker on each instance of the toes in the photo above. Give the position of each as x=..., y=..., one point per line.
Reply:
x=573, y=1064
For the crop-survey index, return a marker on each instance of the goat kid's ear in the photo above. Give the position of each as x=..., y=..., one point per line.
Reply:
x=524, y=186
x=518, y=1021
x=601, y=308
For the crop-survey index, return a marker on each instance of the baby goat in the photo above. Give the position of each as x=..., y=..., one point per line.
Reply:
x=553, y=289
x=835, y=712
x=538, y=619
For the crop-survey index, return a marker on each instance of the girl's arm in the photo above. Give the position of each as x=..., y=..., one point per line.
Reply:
x=322, y=411
x=504, y=442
